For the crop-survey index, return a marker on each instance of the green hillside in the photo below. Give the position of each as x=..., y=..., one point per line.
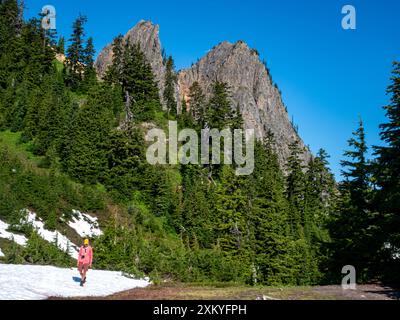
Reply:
x=71, y=141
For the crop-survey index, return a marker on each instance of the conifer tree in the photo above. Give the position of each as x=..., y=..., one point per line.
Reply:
x=268, y=206
x=61, y=45
x=387, y=177
x=169, y=91
x=295, y=188
x=52, y=113
x=88, y=60
x=319, y=196
x=113, y=74
x=219, y=113
x=9, y=15
x=351, y=226
x=76, y=53
x=131, y=71
x=196, y=219
x=231, y=210
x=86, y=158
x=197, y=104
x=358, y=170
x=388, y=156
x=125, y=152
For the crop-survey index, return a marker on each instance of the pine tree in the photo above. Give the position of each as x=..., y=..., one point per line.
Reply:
x=231, y=210
x=387, y=176
x=9, y=16
x=76, y=53
x=319, y=196
x=125, y=153
x=352, y=225
x=61, y=45
x=25, y=66
x=197, y=104
x=113, y=74
x=295, y=189
x=88, y=60
x=131, y=71
x=388, y=156
x=357, y=174
x=219, y=112
x=185, y=118
x=266, y=191
x=52, y=113
x=169, y=91
x=86, y=158
x=195, y=217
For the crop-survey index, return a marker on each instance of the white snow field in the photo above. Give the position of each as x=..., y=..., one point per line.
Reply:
x=28, y=282
x=62, y=241
x=19, y=239
x=84, y=224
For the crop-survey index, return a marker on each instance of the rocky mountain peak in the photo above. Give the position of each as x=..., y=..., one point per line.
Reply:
x=252, y=89
x=146, y=34
x=251, y=86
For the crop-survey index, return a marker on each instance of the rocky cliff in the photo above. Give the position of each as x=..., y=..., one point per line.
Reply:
x=146, y=34
x=259, y=100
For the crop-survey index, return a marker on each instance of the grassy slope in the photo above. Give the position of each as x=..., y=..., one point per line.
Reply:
x=65, y=200
x=11, y=140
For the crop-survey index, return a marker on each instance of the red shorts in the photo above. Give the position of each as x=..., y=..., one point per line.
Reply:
x=83, y=267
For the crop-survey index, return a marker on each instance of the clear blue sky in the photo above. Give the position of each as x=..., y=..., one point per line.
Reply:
x=328, y=76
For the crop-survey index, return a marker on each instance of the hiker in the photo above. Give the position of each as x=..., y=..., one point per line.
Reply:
x=85, y=260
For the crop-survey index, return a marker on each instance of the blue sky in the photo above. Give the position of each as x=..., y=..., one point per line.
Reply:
x=328, y=76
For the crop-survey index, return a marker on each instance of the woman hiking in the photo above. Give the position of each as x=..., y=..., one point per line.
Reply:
x=84, y=260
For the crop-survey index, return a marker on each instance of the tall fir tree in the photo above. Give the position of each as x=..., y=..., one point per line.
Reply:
x=113, y=73
x=387, y=177
x=197, y=104
x=268, y=205
x=295, y=188
x=89, y=76
x=133, y=74
x=61, y=45
x=195, y=219
x=86, y=159
x=75, y=62
x=169, y=90
x=220, y=114
x=352, y=225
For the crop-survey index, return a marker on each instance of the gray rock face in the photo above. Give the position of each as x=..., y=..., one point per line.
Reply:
x=251, y=88
x=236, y=64
x=146, y=35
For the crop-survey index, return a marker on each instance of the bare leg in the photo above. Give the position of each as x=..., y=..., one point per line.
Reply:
x=83, y=274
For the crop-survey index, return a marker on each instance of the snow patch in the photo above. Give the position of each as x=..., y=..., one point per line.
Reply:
x=1, y=253
x=17, y=238
x=51, y=236
x=84, y=224
x=29, y=282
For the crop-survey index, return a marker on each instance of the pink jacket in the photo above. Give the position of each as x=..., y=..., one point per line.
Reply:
x=85, y=255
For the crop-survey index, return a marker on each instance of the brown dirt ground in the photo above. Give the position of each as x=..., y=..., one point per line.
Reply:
x=174, y=291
